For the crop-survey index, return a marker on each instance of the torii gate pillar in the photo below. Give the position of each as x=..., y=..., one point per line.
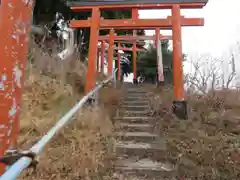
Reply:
x=179, y=104
x=102, y=56
x=119, y=63
x=94, y=31
x=135, y=17
x=160, y=76
x=15, y=18
x=110, y=52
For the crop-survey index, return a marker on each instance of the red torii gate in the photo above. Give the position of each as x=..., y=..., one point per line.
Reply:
x=134, y=39
x=173, y=22
x=133, y=23
x=119, y=47
x=134, y=50
x=111, y=37
x=98, y=23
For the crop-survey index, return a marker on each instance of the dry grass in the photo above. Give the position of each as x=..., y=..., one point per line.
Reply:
x=110, y=98
x=83, y=149
x=71, y=71
x=207, y=145
x=44, y=101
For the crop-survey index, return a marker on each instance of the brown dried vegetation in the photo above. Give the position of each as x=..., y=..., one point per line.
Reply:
x=207, y=145
x=83, y=149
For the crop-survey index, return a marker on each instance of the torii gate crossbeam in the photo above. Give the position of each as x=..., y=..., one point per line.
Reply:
x=164, y=24
x=134, y=38
x=139, y=4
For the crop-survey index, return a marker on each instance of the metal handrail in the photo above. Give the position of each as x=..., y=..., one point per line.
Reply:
x=16, y=169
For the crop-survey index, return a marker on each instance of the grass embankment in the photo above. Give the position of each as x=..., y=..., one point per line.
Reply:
x=82, y=150
x=207, y=145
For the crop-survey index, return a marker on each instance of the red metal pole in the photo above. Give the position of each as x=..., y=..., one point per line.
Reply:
x=13, y=55
x=119, y=65
x=110, y=52
x=102, y=55
x=134, y=17
x=94, y=33
x=179, y=107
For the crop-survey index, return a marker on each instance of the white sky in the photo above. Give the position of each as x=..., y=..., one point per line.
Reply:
x=220, y=32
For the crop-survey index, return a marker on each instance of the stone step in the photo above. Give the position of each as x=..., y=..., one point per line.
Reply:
x=135, y=107
x=136, y=98
x=143, y=167
x=134, y=120
x=121, y=176
x=123, y=112
x=133, y=111
x=136, y=90
x=135, y=103
x=136, y=136
x=136, y=94
x=135, y=127
x=151, y=150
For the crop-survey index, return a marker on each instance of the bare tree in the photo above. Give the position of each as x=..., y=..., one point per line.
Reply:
x=210, y=73
x=227, y=76
x=204, y=74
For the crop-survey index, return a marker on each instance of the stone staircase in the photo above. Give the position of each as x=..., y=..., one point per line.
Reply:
x=137, y=145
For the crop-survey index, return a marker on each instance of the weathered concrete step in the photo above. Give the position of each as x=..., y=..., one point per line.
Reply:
x=136, y=90
x=135, y=103
x=125, y=111
x=141, y=150
x=135, y=127
x=122, y=112
x=135, y=107
x=135, y=119
x=133, y=89
x=143, y=167
x=122, y=176
x=136, y=98
x=136, y=136
x=136, y=94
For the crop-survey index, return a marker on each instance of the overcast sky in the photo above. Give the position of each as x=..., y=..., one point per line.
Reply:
x=220, y=32
x=217, y=37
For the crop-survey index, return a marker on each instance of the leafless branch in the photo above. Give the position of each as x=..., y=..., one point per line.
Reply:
x=209, y=73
